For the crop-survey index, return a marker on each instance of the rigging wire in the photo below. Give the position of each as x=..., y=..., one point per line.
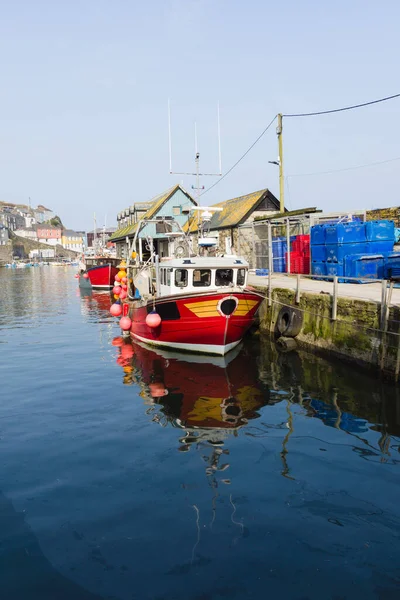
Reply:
x=336, y=110
x=373, y=164
x=241, y=158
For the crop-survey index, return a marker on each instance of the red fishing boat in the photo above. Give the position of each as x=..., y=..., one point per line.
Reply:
x=101, y=272
x=193, y=304
x=200, y=304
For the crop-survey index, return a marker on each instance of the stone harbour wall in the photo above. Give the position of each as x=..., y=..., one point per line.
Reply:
x=354, y=336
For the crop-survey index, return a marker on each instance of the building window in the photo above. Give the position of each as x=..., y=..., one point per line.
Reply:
x=201, y=277
x=181, y=278
x=223, y=277
x=176, y=210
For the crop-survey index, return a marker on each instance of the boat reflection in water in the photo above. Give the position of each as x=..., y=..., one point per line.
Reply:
x=208, y=397
x=212, y=398
x=95, y=305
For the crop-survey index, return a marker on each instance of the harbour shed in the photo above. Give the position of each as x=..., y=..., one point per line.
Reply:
x=235, y=212
x=175, y=202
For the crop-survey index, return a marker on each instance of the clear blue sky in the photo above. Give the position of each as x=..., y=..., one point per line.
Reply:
x=84, y=89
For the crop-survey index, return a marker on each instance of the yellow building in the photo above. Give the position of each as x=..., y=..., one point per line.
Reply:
x=72, y=240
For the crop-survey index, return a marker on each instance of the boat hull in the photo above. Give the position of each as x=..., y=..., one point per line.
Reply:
x=211, y=323
x=102, y=276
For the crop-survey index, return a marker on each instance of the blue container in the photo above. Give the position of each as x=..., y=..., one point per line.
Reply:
x=367, y=266
x=335, y=268
x=262, y=272
x=318, y=268
x=337, y=252
x=279, y=265
x=383, y=247
x=380, y=231
x=392, y=265
x=345, y=233
x=318, y=253
x=317, y=235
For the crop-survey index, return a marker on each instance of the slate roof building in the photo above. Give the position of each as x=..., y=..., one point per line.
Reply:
x=237, y=211
x=174, y=202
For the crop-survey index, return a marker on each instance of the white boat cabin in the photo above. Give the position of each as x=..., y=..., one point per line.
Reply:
x=188, y=275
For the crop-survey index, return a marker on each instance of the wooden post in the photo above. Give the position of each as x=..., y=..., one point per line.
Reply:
x=388, y=303
x=288, y=270
x=383, y=303
x=254, y=246
x=298, y=280
x=334, y=298
x=270, y=264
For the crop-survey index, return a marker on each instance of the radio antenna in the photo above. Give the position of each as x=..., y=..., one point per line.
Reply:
x=197, y=173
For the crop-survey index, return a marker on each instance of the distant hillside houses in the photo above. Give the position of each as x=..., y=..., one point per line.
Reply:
x=48, y=234
x=17, y=216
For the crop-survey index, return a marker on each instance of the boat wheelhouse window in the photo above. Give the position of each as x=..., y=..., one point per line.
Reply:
x=181, y=277
x=168, y=276
x=201, y=277
x=223, y=277
x=162, y=276
x=241, y=276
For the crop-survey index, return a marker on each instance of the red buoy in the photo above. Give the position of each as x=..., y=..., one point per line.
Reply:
x=116, y=309
x=123, y=294
x=86, y=276
x=153, y=320
x=125, y=323
x=117, y=290
x=76, y=276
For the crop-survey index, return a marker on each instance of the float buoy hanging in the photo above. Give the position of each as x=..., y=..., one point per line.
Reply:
x=153, y=319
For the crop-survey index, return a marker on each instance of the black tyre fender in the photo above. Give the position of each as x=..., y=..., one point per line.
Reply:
x=290, y=321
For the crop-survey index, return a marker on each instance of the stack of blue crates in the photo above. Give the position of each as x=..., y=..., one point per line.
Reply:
x=353, y=249
x=279, y=251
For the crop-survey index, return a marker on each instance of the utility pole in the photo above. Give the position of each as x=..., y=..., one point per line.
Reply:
x=281, y=178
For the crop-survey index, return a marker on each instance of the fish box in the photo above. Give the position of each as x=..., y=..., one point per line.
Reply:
x=346, y=233
x=380, y=231
x=337, y=252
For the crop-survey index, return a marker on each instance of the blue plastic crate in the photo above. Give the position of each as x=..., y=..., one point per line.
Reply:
x=392, y=264
x=380, y=231
x=367, y=266
x=262, y=272
x=337, y=252
x=381, y=247
x=335, y=268
x=317, y=235
x=345, y=233
x=318, y=268
x=318, y=253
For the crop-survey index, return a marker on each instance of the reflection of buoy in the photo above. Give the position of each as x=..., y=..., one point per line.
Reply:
x=123, y=294
x=157, y=390
x=76, y=276
x=125, y=323
x=118, y=341
x=86, y=276
x=126, y=351
x=116, y=290
x=116, y=309
x=153, y=320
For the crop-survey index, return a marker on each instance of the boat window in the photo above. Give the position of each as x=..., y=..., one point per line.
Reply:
x=162, y=276
x=223, y=276
x=168, y=311
x=241, y=276
x=181, y=277
x=168, y=276
x=201, y=277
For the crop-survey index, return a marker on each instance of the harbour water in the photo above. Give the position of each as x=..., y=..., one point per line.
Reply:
x=130, y=474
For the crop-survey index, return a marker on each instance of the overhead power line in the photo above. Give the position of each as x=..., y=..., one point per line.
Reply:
x=241, y=158
x=336, y=110
x=381, y=162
